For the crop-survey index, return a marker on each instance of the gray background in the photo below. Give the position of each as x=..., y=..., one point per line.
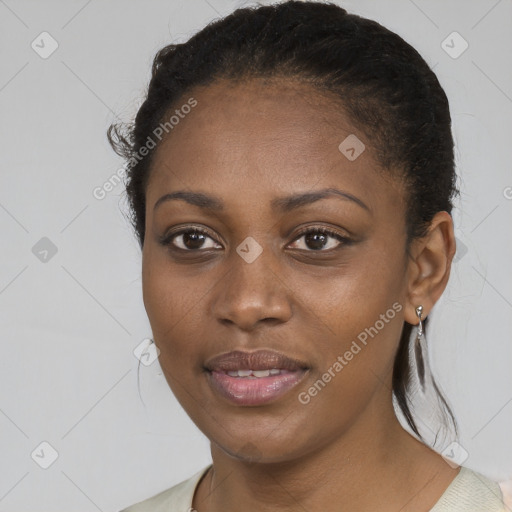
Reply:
x=71, y=320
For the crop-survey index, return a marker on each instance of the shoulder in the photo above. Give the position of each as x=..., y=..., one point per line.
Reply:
x=471, y=491
x=175, y=499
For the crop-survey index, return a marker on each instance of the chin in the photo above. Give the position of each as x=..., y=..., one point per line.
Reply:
x=264, y=446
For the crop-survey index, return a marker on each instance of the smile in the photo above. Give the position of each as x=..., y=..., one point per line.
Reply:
x=254, y=378
x=255, y=374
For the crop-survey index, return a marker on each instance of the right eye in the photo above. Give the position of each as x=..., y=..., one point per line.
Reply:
x=190, y=240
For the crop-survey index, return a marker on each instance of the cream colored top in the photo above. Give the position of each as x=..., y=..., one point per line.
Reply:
x=469, y=491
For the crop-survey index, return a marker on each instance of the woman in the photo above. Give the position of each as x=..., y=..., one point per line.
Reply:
x=291, y=177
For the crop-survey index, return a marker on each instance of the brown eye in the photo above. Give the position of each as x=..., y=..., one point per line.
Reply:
x=319, y=239
x=191, y=240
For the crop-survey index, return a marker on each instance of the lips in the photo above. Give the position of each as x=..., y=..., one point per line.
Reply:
x=259, y=360
x=254, y=378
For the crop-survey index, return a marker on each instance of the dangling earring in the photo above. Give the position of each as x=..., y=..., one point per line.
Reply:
x=420, y=349
x=430, y=399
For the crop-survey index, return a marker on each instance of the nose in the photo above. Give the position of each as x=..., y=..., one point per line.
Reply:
x=252, y=294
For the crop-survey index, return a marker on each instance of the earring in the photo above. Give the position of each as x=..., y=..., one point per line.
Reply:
x=420, y=349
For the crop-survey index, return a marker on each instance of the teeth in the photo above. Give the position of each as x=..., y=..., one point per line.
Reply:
x=261, y=373
x=252, y=374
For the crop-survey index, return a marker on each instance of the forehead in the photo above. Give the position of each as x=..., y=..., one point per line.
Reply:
x=260, y=113
x=264, y=136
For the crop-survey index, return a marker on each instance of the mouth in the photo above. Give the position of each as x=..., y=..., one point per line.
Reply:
x=254, y=378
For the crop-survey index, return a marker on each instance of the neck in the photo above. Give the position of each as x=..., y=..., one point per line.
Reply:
x=374, y=464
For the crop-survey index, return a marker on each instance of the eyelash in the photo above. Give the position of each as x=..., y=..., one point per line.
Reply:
x=168, y=239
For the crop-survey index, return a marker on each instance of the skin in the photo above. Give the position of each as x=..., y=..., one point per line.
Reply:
x=247, y=144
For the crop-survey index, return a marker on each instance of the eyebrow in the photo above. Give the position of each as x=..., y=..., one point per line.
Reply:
x=283, y=204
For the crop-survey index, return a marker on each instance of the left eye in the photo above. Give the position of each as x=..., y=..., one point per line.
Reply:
x=317, y=239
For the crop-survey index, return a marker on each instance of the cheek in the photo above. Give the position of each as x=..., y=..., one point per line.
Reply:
x=357, y=314
x=166, y=296
x=350, y=299
x=171, y=305
x=356, y=336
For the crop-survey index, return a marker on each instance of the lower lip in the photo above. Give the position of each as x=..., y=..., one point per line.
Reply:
x=255, y=391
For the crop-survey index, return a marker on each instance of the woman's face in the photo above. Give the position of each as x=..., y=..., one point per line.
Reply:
x=316, y=317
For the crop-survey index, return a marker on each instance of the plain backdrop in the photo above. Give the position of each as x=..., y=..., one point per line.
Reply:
x=71, y=308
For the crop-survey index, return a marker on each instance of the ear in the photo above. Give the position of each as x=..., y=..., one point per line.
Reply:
x=429, y=266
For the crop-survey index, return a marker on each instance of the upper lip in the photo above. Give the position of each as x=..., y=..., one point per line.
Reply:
x=257, y=360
